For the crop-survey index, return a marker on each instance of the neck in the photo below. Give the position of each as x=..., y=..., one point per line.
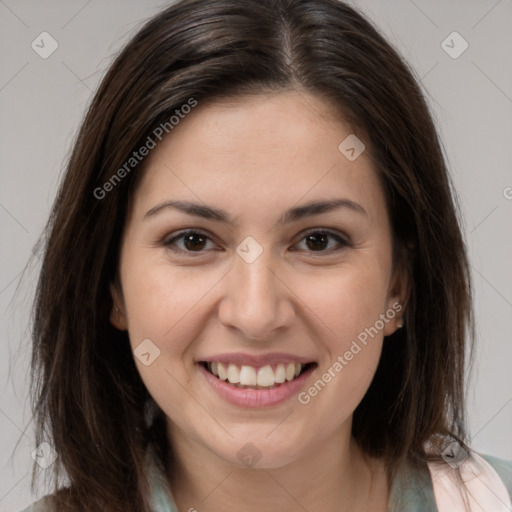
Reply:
x=333, y=476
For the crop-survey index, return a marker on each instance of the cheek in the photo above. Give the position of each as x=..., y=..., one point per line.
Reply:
x=344, y=301
x=348, y=307
x=161, y=302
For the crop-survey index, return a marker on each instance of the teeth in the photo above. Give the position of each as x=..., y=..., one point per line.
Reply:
x=223, y=374
x=233, y=374
x=280, y=374
x=265, y=376
x=247, y=376
x=290, y=371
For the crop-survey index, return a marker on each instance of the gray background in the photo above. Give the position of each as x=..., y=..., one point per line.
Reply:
x=42, y=101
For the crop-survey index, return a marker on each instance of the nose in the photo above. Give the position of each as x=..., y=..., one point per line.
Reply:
x=257, y=301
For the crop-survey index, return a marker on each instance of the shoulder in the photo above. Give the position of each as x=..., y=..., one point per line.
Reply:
x=411, y=489
x=503, y=468
x=160, y=493
x=45, y=504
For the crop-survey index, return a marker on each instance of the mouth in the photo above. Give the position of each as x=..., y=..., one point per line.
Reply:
x=267, y=377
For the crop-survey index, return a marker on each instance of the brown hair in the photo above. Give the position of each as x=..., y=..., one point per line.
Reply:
x=88, y=398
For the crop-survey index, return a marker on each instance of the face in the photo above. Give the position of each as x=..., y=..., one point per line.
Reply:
x=227, y=268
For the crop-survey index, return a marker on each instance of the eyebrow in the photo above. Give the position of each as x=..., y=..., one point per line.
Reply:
x=292, y=215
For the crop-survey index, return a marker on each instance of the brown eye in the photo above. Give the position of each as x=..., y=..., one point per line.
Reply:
x=194, y=241
x=324, y=241
x=187, y=242
x=318, y=241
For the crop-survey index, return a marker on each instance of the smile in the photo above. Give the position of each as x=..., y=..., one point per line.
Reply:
x=258, y=385
x=250, y=377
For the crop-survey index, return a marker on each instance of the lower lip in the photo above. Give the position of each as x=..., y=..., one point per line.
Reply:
x=256, y=397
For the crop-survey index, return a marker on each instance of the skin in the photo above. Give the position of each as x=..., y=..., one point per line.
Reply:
x=256, y=157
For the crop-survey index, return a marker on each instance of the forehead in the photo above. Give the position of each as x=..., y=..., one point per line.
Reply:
x=260, y=151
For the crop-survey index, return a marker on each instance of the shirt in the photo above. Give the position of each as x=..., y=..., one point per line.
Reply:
x=411, y=489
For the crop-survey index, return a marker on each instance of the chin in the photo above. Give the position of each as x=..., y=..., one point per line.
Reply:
x=257, y=452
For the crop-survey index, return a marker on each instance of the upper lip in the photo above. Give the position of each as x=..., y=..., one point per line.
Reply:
x=256, y=360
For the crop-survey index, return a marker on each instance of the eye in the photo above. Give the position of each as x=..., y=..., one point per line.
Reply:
x=322, y=241
x=190, y=241
x=316, y=241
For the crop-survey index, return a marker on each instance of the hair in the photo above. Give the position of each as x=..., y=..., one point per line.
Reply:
x=87, y=395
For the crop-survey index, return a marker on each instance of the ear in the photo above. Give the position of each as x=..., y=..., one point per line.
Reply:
x=397, y=298
x=117, y=314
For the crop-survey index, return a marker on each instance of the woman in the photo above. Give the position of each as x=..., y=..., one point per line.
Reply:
x=255, y=291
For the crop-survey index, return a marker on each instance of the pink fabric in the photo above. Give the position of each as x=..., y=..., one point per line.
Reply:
x=485, y=489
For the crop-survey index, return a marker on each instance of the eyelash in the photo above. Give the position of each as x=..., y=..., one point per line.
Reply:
x=343, y=243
